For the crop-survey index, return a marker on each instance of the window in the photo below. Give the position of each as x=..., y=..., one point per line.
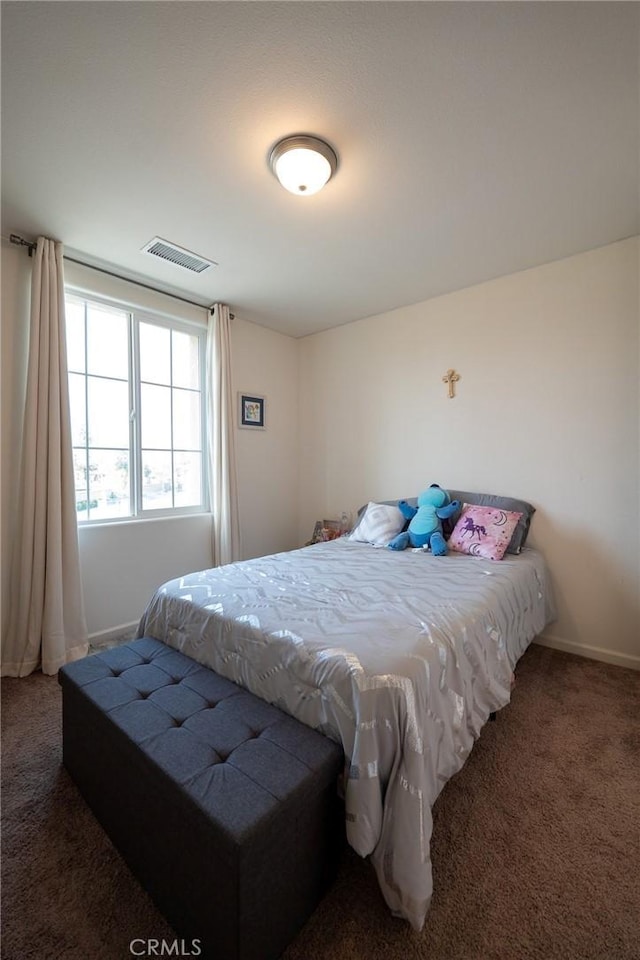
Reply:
x=137, y=414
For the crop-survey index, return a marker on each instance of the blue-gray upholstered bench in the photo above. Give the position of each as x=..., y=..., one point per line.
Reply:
x=223, y=806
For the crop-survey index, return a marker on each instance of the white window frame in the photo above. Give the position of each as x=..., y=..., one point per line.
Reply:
x=137, y=316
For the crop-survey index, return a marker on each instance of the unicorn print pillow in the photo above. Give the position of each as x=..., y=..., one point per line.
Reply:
x=483, y=531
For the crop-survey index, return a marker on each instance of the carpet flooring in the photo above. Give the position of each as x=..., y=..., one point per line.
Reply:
x=535, y=848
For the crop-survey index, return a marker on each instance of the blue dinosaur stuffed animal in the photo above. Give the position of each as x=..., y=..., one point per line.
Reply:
x=425, y=528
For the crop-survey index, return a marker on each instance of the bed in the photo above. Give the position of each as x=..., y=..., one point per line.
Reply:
x=400, y=657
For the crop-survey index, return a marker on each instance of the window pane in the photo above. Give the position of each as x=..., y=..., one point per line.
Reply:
x=188, y=474
x=77, y=409
x=156, y=480
x=155, y=417
x=155, y=353
x=186, y=360
x=107, y=341
x=168, y=439
x=186, y=420
x=108, y=413
x=74, y=318
x=80, y=478
x=109, y=484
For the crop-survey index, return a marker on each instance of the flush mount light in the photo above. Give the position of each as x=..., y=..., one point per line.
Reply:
x=303, y=164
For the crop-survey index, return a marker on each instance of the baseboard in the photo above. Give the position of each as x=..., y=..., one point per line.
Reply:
x=593, y=653
x=124, y=631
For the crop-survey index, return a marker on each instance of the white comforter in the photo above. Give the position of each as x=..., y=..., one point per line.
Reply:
x=399, y=656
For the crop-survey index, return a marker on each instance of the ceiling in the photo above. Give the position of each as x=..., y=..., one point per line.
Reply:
x=474, y=140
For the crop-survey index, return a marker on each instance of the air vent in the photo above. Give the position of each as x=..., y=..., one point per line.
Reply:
x=177, y=255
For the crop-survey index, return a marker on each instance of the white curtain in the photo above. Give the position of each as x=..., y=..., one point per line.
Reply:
x=47, y=626
x=221, y=412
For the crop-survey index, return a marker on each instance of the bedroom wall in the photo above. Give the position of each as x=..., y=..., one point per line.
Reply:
x=266, y=363
x=547, y=409
x=122, y=563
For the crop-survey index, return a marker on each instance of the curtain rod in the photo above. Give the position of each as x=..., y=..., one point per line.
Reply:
x=31, y=245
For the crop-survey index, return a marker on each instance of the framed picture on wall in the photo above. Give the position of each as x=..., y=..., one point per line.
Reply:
x=252, y=410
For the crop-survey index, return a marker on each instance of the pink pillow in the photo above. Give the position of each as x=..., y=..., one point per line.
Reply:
x=483, y=531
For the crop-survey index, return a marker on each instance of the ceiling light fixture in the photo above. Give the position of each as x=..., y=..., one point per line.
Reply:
x=303, y=164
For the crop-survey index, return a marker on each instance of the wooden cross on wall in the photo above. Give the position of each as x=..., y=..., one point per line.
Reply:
x=451, y=378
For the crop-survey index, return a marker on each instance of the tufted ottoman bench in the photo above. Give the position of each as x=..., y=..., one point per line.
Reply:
x=224, y=807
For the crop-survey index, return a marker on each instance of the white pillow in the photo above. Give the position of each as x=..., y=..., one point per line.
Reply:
x=379, y=524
